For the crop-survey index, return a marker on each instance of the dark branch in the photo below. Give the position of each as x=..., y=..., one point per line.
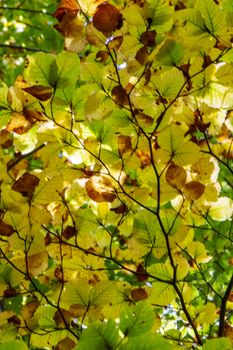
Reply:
x=24, y=48
x=11, y=8
x=223, y=308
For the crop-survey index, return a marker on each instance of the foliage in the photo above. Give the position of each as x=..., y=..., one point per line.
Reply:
x=116, y=178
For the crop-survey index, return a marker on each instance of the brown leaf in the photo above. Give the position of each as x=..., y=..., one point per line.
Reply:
x=77, y=310
x=115, y=43
x=37, y=263
x=148, y=38
x=65, y=344
x=6, y=139
x=121, y=209
x=100, y=189
x=102, y=56
x=194, y=190
x=230, y=298
x=29, y=309
x=19, y=124
x=5, y=229
x=65, y=7
x=141, y=274
x=119, y=95
x=142, y=55
x=9, y=292
x=14, y=319
x=144, y=118
x=176, y=176
x=124, y=144
x=26, y=184
x=106, y=18
x=61, y=315
x=138, y=294
x=69, y=232
x=40, y=92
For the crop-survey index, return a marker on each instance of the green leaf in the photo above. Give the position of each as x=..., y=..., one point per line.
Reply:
x=146, y=342
x=175, y=147
x=162, y=294
x=169, y=83
x=67, y=68
x=218, y=344
x=213, y=16
x=14, y=345
x=137, y=320
x=171, y=53
x=99, y=335
x=39, y=69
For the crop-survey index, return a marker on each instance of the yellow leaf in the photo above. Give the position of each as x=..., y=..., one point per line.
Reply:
x=198, y=252
x=222, y=209
x=206, y=314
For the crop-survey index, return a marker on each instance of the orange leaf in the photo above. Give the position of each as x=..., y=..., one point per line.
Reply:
x=40, y=92
x=194, y=190
x=100, y=189
x=176, y=176
x=106, y=18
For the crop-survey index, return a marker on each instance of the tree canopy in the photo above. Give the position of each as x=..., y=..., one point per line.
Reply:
x=116, y=174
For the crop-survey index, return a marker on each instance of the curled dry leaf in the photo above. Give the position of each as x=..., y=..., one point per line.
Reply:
x=40, y=92
x=100, y=189
x=65, y=7
x=176, y=176
x=5, y=229
x=138, y=294
x=26, y=184
x=194, y=190
x=107, y=18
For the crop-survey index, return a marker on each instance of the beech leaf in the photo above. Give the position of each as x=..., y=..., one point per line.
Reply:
x=106, y=18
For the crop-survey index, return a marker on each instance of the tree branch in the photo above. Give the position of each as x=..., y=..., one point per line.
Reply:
x=223, y=308
x=24, y=48
x=42, y=12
